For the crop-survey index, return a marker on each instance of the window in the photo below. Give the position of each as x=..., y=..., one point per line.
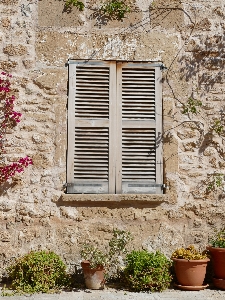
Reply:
x=114, y=128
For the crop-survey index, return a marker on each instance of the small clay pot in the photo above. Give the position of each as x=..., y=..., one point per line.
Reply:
x=190, y=272
x=94, y=278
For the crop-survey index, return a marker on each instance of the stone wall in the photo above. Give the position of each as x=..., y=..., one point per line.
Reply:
x=37, y=38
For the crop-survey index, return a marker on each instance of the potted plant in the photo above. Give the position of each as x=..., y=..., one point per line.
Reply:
x=217, y=252
x=147, y=271
x=190, y=267
x=97, y=264
x=93, y=266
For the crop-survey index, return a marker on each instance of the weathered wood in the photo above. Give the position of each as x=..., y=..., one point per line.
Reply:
x=91, y=123
x=112, y=127
x=86, y=186
x=138, y=120
x=71, y=123
x=118, y=116
x=158, y=113
x=138, y=124
x=118, y=141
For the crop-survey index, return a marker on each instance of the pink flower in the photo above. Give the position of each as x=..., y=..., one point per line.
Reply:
x=9, y=171
x=10, y=116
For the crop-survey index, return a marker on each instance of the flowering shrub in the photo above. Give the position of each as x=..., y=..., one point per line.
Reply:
x=8, y=118
x=9, y=171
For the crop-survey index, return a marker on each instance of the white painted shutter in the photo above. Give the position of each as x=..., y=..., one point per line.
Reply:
x=139, y=109
x=90, y=131
x=114, y=128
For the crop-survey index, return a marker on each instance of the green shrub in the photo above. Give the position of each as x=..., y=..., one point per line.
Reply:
x=147, y=271
x=38, y=271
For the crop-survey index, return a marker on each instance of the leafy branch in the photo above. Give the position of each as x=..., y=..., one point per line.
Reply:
x=78, y=4
x=218, y=127
x=115, y=9
x=191, y=106
x=215, y=182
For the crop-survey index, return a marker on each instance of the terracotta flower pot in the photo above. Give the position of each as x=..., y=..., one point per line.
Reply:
x=218, y=260
x=190, y=272
x=219, y=283
x=94, y=278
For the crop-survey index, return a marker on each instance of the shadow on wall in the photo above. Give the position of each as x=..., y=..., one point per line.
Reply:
x=109, y=204
x=205, y=58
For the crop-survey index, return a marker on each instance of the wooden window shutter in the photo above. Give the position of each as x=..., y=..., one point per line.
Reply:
x=139, y=110
x=114, y=128
x=92, y=86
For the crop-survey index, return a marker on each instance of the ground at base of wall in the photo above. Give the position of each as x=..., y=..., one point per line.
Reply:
x=112, y=294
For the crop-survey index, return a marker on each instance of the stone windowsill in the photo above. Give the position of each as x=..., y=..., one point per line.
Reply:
x=115, y=197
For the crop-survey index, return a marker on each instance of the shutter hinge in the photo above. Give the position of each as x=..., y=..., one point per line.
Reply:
x=67, y=184
x=163, y=67
x=162, y=185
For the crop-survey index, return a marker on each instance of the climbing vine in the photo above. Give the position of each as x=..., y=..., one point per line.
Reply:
x=112, y=9
x=191, y=106
x=115, y=9
x=78, y=4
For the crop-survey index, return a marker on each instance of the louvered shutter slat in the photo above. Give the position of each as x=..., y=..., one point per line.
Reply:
x=91, y=83
x=129, y=172
x=91, y=142
x=133, y=110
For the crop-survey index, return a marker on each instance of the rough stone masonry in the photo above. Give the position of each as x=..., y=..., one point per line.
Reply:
x=37, y=38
